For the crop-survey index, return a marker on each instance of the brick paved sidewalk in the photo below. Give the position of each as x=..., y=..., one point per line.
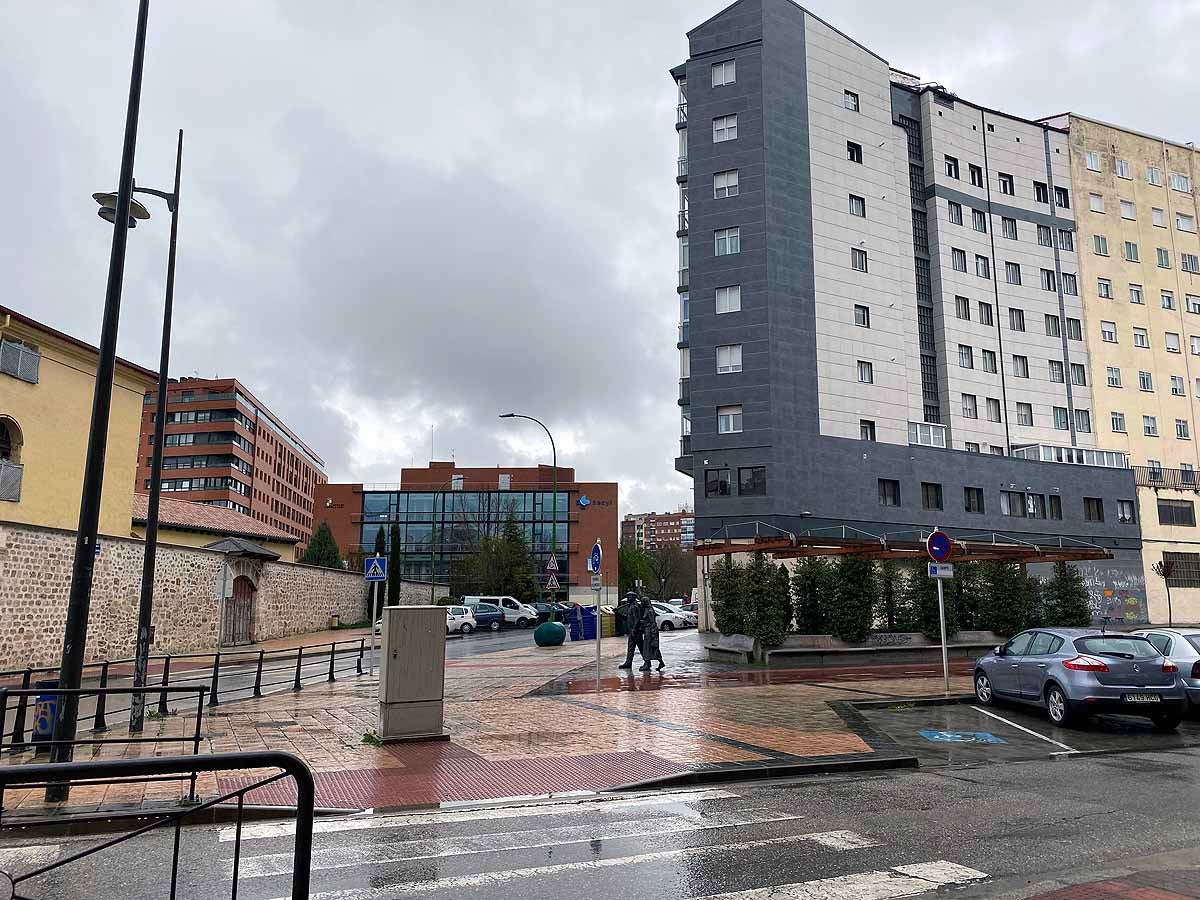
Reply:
x=1168, y=885
x=525, y=721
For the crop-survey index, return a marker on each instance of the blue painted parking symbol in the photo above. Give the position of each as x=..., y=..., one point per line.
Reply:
x=959, y=737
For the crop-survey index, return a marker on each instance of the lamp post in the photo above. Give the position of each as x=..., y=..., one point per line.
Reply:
x=554, y=481
x=82, y=568
x=107, y=211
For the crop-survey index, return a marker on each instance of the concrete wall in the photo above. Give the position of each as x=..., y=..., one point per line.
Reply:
x=35, y=572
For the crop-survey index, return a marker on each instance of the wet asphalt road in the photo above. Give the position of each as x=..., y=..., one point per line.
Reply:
x=999, y=829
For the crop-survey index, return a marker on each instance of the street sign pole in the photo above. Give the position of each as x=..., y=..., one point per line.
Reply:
x=939, y=548
x=942, y=622
x=371, y=623
x=595, y=564
x=375, y=571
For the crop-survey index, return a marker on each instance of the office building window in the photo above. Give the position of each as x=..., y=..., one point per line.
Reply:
x=1024, y=414
x=1078, y=374
x=955, y=212
x=1093, y=509
x=1061, y=420
x=1016, y=319
x=889, y=492
x=729, y=419
x=1048, y=281
x=979, y=220
x=729, y=359
x=1012, y=272
x=1172, y=342
x=866, y=430
x=1150, y=426
x=1122, y=168
x=850, y=100
x=989, y=360
x=858, y=259
x=1093, y=160
x=1117, y=420
x=725, y=128
x=862, y=315
x=725, y=184
x=951, y=167
x=1104, y=288
x=1114, y=376
x=1008, y=227
x=970, y=408
x=729, y=299
x=1181, y=430
x=858, y=206
x=1041, y=193
x=976, y=175
x=724, y=73
x=716, y=483
x=1066, y=240
x=866, y=372
x=1141, y=338
x=1083, y=421
x=854, y=152
x=1070, y=285
x=983, y=267
x=1100, y=244
x=1145, y=381
x=958, y=259
x=727, y=241
x=985, y=313
x=1021, y=366
x=1128, y=210
x=1052, y=325
x=962, y=308
x=1135, y=294
x=1045, y=236
x=931, y=495
x=752, y=481
x=1056, y=371
x=973, y=499
x=1164, y=258
x=1131, y=252
x=993, y=409
x=966, y=357
x=1096, y=203
x=1062, y=198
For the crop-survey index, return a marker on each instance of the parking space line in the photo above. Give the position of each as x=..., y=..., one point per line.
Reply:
x=1026, y=730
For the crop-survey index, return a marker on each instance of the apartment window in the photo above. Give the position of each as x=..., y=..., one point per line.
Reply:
x=1172, y=342
x=1012, y=503
x=716, y=483
x=1052, y=325
x=1093, y=509
x=1062, y=198
x=1100, y=244
x=1195, y=345
x=1177, y=388
x=1180, y=182
x=970, y=406
x=983, y=267
x=979, y=220
x=729, y=419
x=973, y=499
x=858, y=259
x=1185, y=222
x=1020, y=366
x=1041, y=193
x=858, y=206
x=1056, y=371
x=1024, y=414
x=1141, y=338
x=725, y=128
x=1122, y=168
x=1066, y=240
x=1158, y=217
x=931, y=495
x=1118, y=422
x=1181, y=430
x=995, y=450
x=955, y=212
x=1008, y=227
x=752, y=481
x=1164, y=258
x=724, y=73
x=971, y=447
x=1070, y=284
x=993, y=409
x=1150, y=426
x=976, y=174
x=1131, y=251
x=862, y=315
x=729, y=299
x=1104, y=288
x=1153, y=175
x=850, y=100
x=1048, y=282
x=866, y=430
x=962, y=308
x=1093, y=160
x=1193, y=303
x=729, y=359
x=1128, y=210
x=1006, y=183
x=989, y=360
x=1083, y=421
x=1114, y=376
x=958, y=259
x=966, y=358
x=1078, y=374
x=728, y=241
x=1055, y=506
x=1145, y=381
x=1096, y=203
x=866, y=372
x=1189, y=263
x=889, y=492
x=725, y=184
x=1061, y=421
x=951, y=167
x=985, y=313
x=1177, y=512
x=1135, y=294
x=1012, y=272
x=854, y=152
x=1045, y=236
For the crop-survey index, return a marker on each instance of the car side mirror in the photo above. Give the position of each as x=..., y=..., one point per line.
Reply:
x=999, y=650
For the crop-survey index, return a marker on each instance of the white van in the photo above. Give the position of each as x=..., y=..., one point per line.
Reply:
x=515, y=613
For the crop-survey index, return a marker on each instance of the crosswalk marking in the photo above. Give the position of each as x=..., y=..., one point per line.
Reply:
x=885, y=884
x=488, y=879
x=266, y=830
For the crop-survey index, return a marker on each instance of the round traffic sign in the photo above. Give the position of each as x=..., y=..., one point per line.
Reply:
x=938, y=546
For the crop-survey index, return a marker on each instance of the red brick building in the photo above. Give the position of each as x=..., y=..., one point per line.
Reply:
x=649, y=531
x=225, y=448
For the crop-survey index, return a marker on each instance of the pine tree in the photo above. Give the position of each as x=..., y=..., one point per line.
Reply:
x=729, y=608
x=850, y=617
x=769, y=600
x=1065, y=598
x=1006, y=605
x=966, y=587
x=393, y=582
x=814, y=587
x=891, y=594
x=323, y=549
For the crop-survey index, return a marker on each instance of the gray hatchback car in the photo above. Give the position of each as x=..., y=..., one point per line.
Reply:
x=1077, y=672
x=1183, y=646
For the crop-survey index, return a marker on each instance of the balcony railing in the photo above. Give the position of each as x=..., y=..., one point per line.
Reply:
x=685, y=391
x=151, y=399
x=683, y=220
x=685, y=445
x=10, y=480
x=681, y=114
x=683, y=332
x=1172, y=479
x=683, y=277
x=683, y=168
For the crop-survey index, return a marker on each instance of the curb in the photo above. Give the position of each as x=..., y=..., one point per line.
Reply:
x=781, y=769
x=68, y=823
x=900, y=702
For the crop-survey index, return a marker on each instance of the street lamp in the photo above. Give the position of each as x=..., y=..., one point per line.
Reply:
x=554, y=477
x=82, y=568
x=107, y=211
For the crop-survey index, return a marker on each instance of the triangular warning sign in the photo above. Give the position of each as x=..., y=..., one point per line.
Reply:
x=552, y=582
x=374, y=570
x=552, y=565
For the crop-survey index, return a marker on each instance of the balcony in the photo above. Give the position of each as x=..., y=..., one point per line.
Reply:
x=685, y=391
x=681, y=114
x=683, y=223
x=683, y=335
x=683, y=168
x=685, y=445
x=1078, y=456
x=10, y=480
x=1171, y=479
x=683, y=278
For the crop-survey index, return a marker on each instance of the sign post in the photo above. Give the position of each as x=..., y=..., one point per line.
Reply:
x=374, y=572
x=595, y=562
x=939, y=548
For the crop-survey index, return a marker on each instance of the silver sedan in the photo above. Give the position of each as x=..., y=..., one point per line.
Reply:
x=1183, y=646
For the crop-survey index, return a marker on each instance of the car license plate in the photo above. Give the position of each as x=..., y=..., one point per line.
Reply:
x=1142, y=698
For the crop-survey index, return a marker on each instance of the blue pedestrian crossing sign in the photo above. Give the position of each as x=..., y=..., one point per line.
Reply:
x=375, y=568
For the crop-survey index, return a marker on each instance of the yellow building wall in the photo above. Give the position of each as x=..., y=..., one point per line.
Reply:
x=182, y=538
x=53, y=417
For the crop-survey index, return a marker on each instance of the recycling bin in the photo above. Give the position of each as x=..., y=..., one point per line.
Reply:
x=45, y=708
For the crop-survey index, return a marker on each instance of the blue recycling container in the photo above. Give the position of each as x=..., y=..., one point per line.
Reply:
x=45, y=708
x=589, y=622
x=575, y=624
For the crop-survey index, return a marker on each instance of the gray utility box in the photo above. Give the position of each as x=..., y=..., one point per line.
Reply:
x=412, y=673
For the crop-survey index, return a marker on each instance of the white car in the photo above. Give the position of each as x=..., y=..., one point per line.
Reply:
x=515, y=612
x=460, y=619
x=670, y=618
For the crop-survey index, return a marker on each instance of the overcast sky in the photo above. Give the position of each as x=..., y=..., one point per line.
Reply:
x=398, y=215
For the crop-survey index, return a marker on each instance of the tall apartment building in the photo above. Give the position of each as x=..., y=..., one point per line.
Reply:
x=881, y=322
x=225, y=448
x=649, y=531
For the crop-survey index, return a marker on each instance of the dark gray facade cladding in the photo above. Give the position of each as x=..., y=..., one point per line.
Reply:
x=813, y=481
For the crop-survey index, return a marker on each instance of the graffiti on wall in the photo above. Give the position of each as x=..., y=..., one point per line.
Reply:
x=1116, y=588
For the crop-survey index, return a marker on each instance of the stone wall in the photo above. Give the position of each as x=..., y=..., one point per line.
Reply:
x=189, y=584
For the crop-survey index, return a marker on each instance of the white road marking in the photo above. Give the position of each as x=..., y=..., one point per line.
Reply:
x=1024, y=729
x=266, y=830
x=486, y=879
x=28, y=857
x=900, y=881
x=466, y=845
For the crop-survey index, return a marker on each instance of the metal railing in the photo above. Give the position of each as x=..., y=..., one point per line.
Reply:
x=683, y=332
x=1173, y=479
x=685, y=390
x=681, y=114
x=683, y=220
x=142, y=878
x=683, y=167
x=685, y=445
x=683, y=277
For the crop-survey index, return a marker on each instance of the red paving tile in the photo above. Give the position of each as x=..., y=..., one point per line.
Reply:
x=1142, y=886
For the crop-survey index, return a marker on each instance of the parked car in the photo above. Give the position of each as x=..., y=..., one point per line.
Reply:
x=675, y=601
x=487, y=615
x=460, y=619
x=692, y=607
x=515, y=612
x=561, y=611
x=670, y=618
x=1183, y=647
x=1076, y=672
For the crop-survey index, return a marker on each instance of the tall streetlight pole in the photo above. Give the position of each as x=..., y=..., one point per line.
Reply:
x=554, y=477
x=137, y=705
x=82, y=569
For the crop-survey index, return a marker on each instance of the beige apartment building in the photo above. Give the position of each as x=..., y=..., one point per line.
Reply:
x=1139, y=261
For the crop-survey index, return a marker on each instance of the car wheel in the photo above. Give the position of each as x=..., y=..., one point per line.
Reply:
x=666, y=626
x=1166, y=721
x=1058, y=707
x=522, y=623
x=495, y=626
x=983, y=689
x=466, y=628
